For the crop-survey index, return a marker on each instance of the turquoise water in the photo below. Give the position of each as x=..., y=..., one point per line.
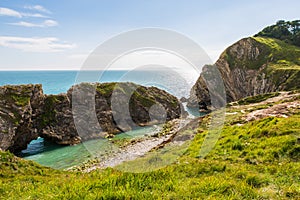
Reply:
x=62, y=157
x=55, y=82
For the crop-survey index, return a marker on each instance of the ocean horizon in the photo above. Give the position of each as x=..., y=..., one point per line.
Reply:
x=59, y=81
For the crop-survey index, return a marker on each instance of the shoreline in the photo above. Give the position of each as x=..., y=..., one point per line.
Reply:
x=136, y=148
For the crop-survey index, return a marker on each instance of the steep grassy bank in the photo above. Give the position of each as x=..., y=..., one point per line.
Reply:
x=253, y=159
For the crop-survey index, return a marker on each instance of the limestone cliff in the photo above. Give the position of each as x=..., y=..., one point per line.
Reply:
x=252, y=66
x=26, y=113
x=19, y=107
x=94, y=111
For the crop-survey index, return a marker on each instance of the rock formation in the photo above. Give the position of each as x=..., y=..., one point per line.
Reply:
x=19, y=108
x=99, y=110
x=250, y=67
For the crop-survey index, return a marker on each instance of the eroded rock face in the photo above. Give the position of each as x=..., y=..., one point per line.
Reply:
x=55, y=123
x=119, y=107
x=247, y=68
x=19, y=107
x=85, y=112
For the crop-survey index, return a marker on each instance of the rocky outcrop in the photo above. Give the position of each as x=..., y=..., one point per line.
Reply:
x=250, y=67
x=85, y=112
x=19, y=108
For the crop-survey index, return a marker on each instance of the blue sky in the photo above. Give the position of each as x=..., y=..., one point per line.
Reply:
x=48, y=34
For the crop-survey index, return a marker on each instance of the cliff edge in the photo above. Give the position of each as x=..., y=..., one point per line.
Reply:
x=251, y=66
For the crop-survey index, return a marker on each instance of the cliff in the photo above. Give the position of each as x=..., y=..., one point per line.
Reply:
x=19, y=107
x=251, y=66
x=26, y=113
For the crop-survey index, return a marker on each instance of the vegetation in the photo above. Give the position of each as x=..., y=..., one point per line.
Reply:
x=13, y=96
x=139, y=94
x=278, y=61
x=21, y=100
x=257, y=98
x=255, y=160
x=251, y=160
x=273, y=53
x=287, y=31
x=142, y=99
x=277, y=51
x=49, y=114
x=106, y=89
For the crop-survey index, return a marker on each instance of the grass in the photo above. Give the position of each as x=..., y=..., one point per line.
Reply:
x=272, y=52
x=283, y=61
x=257, y=98
x=279, y=51
x=276, y=60
x=253, y=160
x=286, y=77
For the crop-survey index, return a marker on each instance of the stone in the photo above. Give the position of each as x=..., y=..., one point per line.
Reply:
x=246, y=69
x=26, y=113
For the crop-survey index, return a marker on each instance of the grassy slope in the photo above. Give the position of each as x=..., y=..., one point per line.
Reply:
x=282, y=61
x=259, y=159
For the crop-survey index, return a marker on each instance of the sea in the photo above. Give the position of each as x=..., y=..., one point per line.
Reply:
x=56, y=82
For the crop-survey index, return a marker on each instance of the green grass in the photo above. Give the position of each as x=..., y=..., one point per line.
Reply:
x=277, y=60
x=280, y=52
x=257, y=98
x=272, y=52
x=255, y=160
x=283, y=62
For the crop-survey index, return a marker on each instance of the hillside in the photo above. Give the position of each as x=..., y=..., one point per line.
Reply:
x=252, y=66
x=256, y=157
x=287, y=31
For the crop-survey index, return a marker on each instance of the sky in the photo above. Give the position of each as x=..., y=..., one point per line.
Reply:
x=59, y=35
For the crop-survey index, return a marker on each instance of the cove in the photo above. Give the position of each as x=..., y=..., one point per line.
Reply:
x=62, y=157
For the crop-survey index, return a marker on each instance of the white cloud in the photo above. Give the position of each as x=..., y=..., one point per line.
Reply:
x=49, y=23
x=38, y=8
x=25, y=24
x=13, y=13
x=10, y=12
x=44, y=24
x=37, y=15
x=45, y=44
